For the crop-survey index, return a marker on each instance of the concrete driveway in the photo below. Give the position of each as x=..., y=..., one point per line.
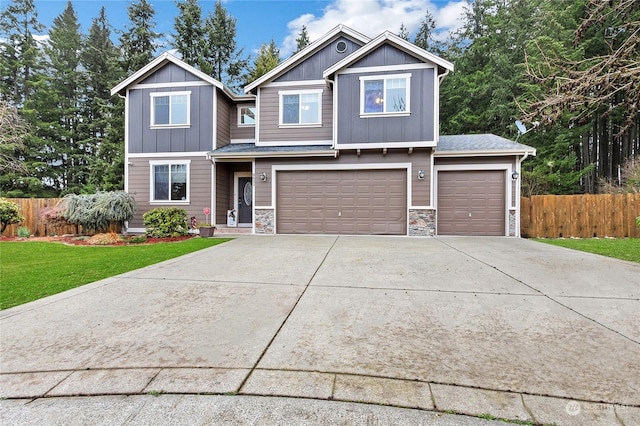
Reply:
x=506, y=327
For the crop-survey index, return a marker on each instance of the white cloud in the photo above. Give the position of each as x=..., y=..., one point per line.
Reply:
x=372, y=17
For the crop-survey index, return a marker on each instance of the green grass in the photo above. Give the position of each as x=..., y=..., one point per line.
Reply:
x=32, y=270
x=620, y=248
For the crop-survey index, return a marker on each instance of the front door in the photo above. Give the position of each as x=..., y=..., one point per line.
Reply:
x=245, y=200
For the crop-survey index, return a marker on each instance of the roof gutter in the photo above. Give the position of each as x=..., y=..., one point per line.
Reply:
x=258, y=154
x=470, y=153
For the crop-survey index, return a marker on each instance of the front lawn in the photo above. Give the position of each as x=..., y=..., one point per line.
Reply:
x=620, y=248
x=32, y=270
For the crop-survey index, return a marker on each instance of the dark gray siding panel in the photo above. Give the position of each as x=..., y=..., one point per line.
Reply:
x=198, y=137
x=419, y=126
x=170, y=73
x=386, y=55
x=312, y=67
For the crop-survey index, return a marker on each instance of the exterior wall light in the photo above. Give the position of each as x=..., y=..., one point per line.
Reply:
x=515, y=175
x=420, y=174
x=263, y=177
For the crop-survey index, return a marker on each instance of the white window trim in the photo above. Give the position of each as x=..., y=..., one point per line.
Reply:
x=282, y=93
x=169, y=163
x=169, y=126
x=384, y=78
x=239, y=115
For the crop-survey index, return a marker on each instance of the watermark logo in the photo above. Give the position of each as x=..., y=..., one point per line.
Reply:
x=572, y=408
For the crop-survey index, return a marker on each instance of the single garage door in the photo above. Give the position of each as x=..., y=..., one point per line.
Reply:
x=471, y=202
x=342, y=202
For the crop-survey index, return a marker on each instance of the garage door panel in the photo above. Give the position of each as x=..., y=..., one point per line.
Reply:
x=349, y=201
x=471, y=202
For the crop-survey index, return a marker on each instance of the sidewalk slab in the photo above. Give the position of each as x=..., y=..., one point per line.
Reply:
x=197, y=380
x=302, y=384
x=476, y=402
x=30, y=385
x=103, y=382
x=379, y=390
x=570, y=412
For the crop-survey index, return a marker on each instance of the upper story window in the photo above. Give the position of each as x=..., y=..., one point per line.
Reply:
x=170, y=109
x=246, y=116
x=385, y=95
x=169, y=182
x=301, y=107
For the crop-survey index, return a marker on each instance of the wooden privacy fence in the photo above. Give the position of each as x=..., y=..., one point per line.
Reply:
x=585, y=216
x=31, y=208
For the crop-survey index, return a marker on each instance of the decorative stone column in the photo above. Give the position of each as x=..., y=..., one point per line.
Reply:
x=422, y=223
x=264, y=221
x=512, y=223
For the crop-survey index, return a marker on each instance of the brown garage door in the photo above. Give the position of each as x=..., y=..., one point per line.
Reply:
x=471, y=202
x=341, y=202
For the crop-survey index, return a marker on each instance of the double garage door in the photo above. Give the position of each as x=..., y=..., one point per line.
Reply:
x=471, y=202
x=365, y=202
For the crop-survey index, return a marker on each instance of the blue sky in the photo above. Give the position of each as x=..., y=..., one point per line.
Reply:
x=260, y=21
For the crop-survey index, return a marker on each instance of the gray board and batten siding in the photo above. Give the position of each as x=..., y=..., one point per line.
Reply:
x=312, y=67
x=419, y=126
x=195, y=138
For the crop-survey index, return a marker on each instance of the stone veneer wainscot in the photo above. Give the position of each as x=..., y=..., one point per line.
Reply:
x=422, y=223
x=264, y=221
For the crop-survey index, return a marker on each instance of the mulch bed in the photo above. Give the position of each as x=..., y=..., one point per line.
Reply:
x=106, y=240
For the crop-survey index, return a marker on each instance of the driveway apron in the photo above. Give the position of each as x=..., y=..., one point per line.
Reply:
x=510, y=327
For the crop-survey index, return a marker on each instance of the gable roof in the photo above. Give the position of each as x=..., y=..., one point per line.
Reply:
x=164, y=59
x=305, y=53
x=480, y=145
x=402, y=44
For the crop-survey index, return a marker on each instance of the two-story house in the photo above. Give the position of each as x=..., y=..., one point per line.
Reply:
x=341, y=138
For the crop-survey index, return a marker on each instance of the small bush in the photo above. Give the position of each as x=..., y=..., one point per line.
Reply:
x=137, y=239
x=105, y=239
x=9, y=214
x=24, y=232
x=52, y=217
x=166, y=222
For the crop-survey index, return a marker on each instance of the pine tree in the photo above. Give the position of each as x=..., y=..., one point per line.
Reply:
x=99, y=60
x=20, y=55
x=68, y=160
x=222, y=60
x=302, y=40
x=425, y=36
x=138, y=42
x=267, y=59
x=189, y=37
x=404, y=33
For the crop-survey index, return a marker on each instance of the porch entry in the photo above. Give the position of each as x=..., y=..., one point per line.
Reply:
x=243, y=196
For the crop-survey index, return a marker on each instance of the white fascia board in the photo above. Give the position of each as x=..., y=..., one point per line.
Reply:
x=389, y=145
x=306, y=52
x=251, y=155
x=168, y=57
x=380, y=40
x=478, y=153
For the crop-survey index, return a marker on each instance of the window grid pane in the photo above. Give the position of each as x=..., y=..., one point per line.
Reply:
x=290, y=109
x=179, y=109
x=396, y=95
x=309, y=108
x=247, y=115
x=373, y=98
x=178, y=182
x=161, y=182
x=161, y=110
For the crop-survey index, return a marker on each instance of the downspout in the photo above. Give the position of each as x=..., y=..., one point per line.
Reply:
x=441, y=76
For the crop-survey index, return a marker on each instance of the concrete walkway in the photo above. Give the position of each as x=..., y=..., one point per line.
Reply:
x=497, y=327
